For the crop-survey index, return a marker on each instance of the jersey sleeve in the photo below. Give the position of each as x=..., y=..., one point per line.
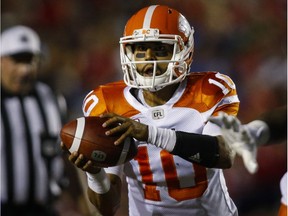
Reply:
x=226, y=94
x=226, y=99
x=107, y=98
x=210, y=93
x=94, y=103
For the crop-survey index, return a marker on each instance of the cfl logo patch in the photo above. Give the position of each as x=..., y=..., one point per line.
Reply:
x=158, y=114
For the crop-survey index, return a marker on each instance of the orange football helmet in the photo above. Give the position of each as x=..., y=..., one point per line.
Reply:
x=157, y=23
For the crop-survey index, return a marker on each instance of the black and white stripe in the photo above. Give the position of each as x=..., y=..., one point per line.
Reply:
x=24, y=176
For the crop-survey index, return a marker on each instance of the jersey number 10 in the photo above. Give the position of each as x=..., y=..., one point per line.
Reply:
x=173, y=184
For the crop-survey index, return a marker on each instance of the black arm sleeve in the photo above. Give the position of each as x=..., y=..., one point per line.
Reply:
x=197, y=148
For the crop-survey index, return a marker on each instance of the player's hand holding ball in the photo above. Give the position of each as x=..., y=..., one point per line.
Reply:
x=126, y=127
x=94, y=142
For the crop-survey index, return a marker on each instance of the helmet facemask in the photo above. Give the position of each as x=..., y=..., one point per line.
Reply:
x=177, y=67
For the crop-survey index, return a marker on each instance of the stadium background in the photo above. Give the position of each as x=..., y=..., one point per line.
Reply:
x=246, y=40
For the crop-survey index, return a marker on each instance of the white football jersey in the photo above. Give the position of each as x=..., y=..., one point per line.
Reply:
x=160, y=183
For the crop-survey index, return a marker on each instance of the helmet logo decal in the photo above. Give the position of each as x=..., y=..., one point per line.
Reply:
x=146, y=33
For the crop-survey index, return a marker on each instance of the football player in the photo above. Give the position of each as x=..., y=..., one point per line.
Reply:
x=165, y=107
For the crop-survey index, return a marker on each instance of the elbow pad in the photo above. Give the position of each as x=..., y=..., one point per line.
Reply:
x=197, y=148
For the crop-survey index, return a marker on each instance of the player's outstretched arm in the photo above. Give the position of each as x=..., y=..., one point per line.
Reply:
x=243, y=138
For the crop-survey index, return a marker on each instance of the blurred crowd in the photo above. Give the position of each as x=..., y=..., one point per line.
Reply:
x=246, y=40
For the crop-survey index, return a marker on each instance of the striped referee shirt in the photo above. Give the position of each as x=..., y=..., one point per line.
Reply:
x=30, y=126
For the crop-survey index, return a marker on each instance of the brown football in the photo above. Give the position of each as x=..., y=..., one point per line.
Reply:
x=87, y=136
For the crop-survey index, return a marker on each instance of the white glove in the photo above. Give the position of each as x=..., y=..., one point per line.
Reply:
x=243, y=139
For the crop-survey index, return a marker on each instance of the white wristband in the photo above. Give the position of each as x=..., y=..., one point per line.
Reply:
x=162, y=138
x=99, y=183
